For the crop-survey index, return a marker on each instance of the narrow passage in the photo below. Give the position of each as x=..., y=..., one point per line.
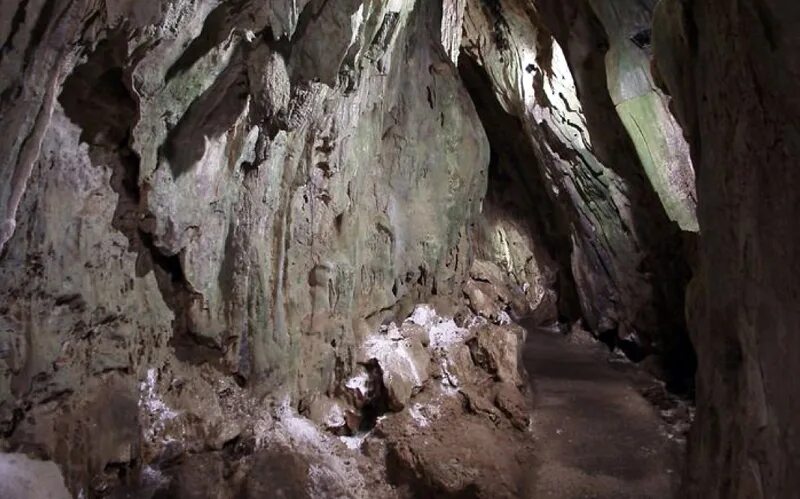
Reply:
x=596, y=436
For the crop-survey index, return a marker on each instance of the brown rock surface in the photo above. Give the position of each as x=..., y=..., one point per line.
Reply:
x=732, y=70
x=497, y=350
x=438, y=450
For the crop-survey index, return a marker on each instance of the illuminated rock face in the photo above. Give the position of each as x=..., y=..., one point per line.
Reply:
x=643, y=109
x=245, y=187
x=606, y=215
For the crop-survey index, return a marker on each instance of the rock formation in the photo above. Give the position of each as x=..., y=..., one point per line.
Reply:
x=603, y=219
x=209, y=195
x=240, y=235
x=731, y=68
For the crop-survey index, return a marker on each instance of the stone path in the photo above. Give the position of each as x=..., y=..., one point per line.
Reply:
x=596, y=436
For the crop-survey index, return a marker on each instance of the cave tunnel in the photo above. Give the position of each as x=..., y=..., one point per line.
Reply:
x=403, y=249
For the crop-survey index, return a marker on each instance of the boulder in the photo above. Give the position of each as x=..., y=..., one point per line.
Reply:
x=514, y=404
x=497, y=350
x=484, y=299
x=454, y=454
x=25, y=478
x=404, y=364
x=328, y=413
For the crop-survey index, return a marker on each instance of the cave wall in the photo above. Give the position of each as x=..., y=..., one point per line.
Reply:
x=218, y=198
x=519, y=227
x=732, y=70
x=547, y=64
x=607, y=45
x=248, y=187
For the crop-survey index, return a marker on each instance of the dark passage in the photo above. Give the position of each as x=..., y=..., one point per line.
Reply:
x=596, y=435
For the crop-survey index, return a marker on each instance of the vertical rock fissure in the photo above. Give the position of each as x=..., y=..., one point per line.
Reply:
x=517, y=192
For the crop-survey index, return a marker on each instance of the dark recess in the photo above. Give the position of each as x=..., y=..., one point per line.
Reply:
x=516, y=187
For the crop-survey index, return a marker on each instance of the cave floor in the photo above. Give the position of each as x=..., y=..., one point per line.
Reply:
x=596, y=436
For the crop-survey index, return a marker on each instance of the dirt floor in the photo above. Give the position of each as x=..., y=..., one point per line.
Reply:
x=596, y=435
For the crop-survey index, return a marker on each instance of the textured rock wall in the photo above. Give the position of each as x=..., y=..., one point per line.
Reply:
x=643, y=109
x=211, y=205
x=519, y=226
x=248, y=186
x=651, y=160
x=605, y=217
x=732, y=70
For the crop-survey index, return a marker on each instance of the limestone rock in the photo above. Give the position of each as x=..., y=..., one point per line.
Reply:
x=194, y=185
x=403, y=362
x=731, y=71
x=450, y=453
x=643, y=109
x=476, y=402
x=548, y=83
x=494, y=293
x=482, y=270
x=25, y=478
x=363, y=386
x=330, y=414
x=209, y=208
x=484, y=299
x=514, y=404
x=497, y=350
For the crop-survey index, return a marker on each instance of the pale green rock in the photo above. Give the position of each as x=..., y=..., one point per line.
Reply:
x=663, y=154
x=658, y=138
